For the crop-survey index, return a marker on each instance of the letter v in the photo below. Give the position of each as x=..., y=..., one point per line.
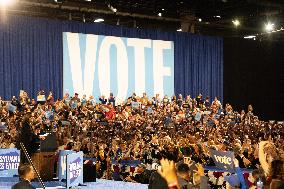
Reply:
x=79, y=86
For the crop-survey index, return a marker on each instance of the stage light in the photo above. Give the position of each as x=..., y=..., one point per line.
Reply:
x=84, y=18
x=99, y=20
x=199, y=20
x=179, y=30
x=250, y=37
x=58, y=1
x=159, y=14
x=269, y=27
x=236, y=22
x=217, y=16
x=113, y=9
x=6, y=2
x=163, y=9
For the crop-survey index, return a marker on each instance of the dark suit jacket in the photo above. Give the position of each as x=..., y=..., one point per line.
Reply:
x=156, y=181
x=28, y=138
x=241, y=162
x=23, y=185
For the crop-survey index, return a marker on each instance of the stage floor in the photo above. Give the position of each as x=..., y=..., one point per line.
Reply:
x=101, y=184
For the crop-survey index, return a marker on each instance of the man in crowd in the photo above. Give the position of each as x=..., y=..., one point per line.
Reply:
x=26, y=175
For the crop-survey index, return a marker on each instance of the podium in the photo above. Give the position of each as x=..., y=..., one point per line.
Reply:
x=44, y=163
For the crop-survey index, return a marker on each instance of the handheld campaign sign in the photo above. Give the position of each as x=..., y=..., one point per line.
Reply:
x=9, y=162
x=67, y=100
x=149, y=110
x=22, y=92
x=11, y=107
x=3, y=127
x=135, y=105
x=198, y=116
x=62, y=163
x=74, y=169
x=223, y=160
x=41, y=98
x=74, y=105
x=49, y=115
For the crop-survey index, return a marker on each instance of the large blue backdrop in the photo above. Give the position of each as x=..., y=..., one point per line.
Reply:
x=31, y=55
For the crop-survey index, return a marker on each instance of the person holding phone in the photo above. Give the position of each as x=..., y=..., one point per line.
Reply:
x=187, y=160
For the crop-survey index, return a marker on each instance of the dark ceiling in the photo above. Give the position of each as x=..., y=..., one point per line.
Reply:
x=216, y=15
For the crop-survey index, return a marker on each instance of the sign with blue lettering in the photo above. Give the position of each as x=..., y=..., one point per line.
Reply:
x=74, y=169
x=9, y=162
x=223, y=160
x=97, y=65
x=62, y=163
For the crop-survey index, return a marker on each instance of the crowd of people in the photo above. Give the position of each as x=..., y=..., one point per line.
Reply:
x=156, y=131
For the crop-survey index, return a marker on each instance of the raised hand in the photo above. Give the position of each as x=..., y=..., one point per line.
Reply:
x=200, y=169
x=168, y=171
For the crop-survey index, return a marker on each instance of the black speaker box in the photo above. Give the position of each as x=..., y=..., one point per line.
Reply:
x=89, y=173
x=49, y=144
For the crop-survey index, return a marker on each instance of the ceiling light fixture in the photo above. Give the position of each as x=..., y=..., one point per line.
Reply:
x=236, y=22
x=99, y=20
x=112, y=8
x=249, y=37
x=269, y=27
x=6, y=2
x=58, y=1
x=84, y=18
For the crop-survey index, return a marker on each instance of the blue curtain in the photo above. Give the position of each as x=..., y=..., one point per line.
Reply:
x=31, y=55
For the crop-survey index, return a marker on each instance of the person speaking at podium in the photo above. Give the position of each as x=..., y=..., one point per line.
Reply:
x=26, y=175
x=27, y=136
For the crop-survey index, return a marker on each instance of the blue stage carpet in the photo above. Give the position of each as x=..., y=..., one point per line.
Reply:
x=100, y=184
